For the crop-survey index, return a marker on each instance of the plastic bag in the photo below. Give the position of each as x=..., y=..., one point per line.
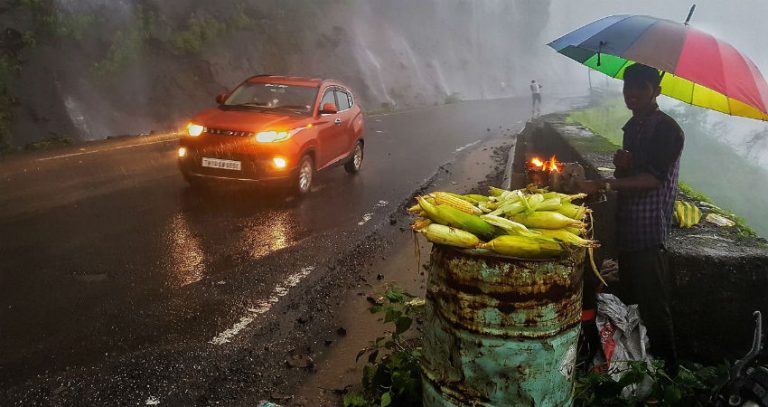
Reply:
x=624, y=338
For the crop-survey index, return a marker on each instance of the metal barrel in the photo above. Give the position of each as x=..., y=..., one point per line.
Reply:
x=500, y=331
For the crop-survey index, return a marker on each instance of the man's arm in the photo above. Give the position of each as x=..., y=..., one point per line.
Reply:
x=668, y=140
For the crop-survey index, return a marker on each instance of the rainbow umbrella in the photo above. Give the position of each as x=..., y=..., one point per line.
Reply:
x=698, y=68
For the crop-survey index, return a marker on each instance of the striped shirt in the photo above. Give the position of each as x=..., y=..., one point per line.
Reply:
x=656, y=143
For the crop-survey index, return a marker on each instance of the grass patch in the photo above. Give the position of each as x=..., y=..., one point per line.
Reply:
x=742, y=228
x=200, y=31
x=604, y=120
x=48, y=142
x=452, y=98
x=9, y=70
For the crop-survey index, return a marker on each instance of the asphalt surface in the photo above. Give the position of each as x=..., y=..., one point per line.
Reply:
x=119, y=285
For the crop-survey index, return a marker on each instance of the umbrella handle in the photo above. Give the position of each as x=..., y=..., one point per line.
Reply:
x=599, y=51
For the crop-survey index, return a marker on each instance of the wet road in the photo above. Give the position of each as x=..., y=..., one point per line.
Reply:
x=107, y=252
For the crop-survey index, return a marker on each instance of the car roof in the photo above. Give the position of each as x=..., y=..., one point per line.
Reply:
x=292, y=80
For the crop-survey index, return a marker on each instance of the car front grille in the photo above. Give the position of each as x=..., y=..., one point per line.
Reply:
x=232, y=133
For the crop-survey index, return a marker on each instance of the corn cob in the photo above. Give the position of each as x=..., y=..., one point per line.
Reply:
x=447, y=235
x=421, y=223
x=415, y=208
x=473, y=201
x=509, y=209
x=512, y=228
x=571, y=198
x=568, y=237
x=573, y=211
x=442, y=198
x=477, y=197
x=532, y=202
x=546, y=220
x=471, y=223
x=493, y=191
x=523, y=246
x=576, y=231
x=551, y=204
x=432, y=212
x=486, y=206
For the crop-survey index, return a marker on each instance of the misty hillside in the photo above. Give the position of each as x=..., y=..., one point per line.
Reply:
x=88, y=69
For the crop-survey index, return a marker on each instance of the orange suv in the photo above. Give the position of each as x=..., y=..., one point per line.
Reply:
x=275, y=128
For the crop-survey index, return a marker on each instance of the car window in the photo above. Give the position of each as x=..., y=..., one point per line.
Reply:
x=351, y=102
x=298, y=99
x=328, y=98
x=343, y=99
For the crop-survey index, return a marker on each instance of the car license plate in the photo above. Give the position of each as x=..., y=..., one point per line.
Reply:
x=223, y=164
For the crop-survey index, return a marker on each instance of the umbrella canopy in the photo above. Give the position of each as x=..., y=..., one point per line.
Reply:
x=699, y=68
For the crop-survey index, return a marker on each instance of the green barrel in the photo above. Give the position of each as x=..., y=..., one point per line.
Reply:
x=500, y=331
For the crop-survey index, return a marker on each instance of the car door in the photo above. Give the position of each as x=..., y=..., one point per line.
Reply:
x=329, y=145
x=346, y=131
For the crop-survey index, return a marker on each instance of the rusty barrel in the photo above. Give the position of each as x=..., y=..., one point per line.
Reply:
x=501, y=331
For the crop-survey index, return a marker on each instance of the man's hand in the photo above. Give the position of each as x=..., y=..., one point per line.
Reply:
x=588, y=187
x=622, y=159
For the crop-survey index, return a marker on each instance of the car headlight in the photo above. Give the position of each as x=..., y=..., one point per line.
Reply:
x=273, y=136
x=194, y=130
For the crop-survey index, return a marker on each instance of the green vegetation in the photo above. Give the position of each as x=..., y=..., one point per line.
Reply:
x=604, y=120
x=201, y=30
x=707, y=165
x=452, y=98
x=693, y=386
x=9, y=70
x=742, y=228
x=48, y=142
x=392, y=376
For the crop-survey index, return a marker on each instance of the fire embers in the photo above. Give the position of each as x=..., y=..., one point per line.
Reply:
x=558, y=176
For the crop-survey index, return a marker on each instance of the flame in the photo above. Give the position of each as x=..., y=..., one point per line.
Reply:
x=551, y=164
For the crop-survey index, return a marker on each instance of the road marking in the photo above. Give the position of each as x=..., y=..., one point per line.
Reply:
x=262, y=306
x=56, y=157
x=379, y=131
x=367, y=217
x=460, y=149
x=152, y=401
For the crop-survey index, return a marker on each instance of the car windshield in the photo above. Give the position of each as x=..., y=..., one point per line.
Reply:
x=273, y=96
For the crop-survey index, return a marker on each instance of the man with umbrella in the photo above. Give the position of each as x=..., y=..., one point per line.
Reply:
x=646, y=181
x=698, y=69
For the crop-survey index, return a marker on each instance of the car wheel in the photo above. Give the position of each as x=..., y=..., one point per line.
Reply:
x=356, y=161
x=304, y=175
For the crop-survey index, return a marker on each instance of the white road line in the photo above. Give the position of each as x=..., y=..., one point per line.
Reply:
x=460, y=149
x=367, y=217
x=56, y=157
x=379, y=131
x=152, y=401
x=262, y=306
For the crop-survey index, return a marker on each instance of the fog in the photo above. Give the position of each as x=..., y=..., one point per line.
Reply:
x=99, y=68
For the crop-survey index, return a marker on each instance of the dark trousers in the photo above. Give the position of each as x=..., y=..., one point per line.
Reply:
x=645, y=280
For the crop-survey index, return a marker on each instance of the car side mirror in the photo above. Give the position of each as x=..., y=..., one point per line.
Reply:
x=329, y=108
x=221, y=98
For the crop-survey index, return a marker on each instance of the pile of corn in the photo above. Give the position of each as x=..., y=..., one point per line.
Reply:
x=526, y=223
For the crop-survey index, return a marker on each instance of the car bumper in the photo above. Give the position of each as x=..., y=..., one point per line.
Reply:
x=253, y=169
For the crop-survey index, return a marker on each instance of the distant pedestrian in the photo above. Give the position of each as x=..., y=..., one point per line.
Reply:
x=536, y=94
